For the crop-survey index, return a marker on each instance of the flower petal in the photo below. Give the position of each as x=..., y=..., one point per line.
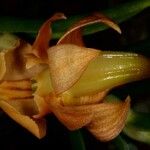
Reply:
x=104, y=120
x=67, y=63
x=109, y=120
x=43, y=88
x=8, y=41
x=10, y=90
x=73, y=117
x=41, y=43
x=73, y=35
x=36, y=127
x=2, y=66
x=13, y=63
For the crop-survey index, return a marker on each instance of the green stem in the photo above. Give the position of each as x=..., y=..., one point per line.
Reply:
x=119, y=13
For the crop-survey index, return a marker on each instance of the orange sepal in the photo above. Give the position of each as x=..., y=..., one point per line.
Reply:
x=12, y=90
x=41, y=43
x=67, y=63
x=20, y=114
x=104, y=120
x=109, y=120
x=73, y=35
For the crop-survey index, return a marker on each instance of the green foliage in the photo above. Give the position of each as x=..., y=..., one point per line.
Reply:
x=119, y=13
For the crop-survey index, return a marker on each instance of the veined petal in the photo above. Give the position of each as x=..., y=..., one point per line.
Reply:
x=72, y=117
x=41, y=43
x=11, y=90
x=73, y=35
x=104, y=120
x=67, y=63
x=17, y=113
x=109, y=120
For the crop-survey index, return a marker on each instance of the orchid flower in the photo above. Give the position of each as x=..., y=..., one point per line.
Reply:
x=68, y=80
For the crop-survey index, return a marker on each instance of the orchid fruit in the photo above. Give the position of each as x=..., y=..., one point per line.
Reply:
x=68, y=80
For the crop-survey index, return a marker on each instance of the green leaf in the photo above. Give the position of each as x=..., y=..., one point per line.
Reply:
x=137, y=134
x=119, y=143
x=139, y=120
x=77, y=141
x=138, y=126
x=119, y=13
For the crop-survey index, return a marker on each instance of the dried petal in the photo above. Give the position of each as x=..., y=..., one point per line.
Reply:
x=36, y=127
x=109, y=120
x=41, y=43
x=67, y=63
x=10, y=90
x=73, y=35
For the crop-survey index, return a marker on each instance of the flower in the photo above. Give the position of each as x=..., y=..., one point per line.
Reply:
x=38, y=79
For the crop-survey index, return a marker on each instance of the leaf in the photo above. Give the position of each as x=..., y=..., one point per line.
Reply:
x=77, y=140
x=73, y=35
x=119, y=13
x=120, y=143
x=36, y=127
x=137, y=134
x=67, y=63
x=138, y=126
